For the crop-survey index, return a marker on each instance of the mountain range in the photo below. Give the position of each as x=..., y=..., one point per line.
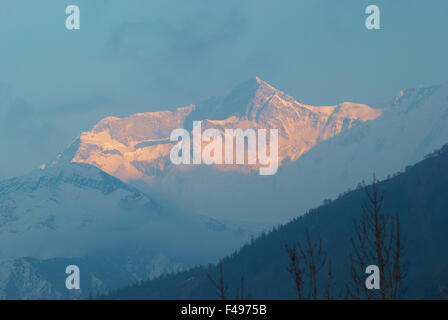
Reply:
x=113, y=203
x=322, y=150
x=138, y=147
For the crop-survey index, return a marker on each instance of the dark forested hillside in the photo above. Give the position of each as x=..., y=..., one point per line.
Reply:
x=419, y=196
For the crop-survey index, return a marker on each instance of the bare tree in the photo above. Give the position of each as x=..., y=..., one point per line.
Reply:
x=327, y=293
x=221, y=287
x=240, y=291
x=296, y=270
x=305, y=266
x=377, y=242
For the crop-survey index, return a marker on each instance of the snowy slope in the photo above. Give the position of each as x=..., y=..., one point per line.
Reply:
x=76, y=213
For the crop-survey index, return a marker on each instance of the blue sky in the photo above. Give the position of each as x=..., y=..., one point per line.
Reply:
x=145, y=55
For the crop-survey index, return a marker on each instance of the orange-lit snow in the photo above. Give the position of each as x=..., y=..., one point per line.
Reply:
x=138, y=147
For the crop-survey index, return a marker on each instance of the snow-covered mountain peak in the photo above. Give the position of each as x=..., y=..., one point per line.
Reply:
x=137, y=147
